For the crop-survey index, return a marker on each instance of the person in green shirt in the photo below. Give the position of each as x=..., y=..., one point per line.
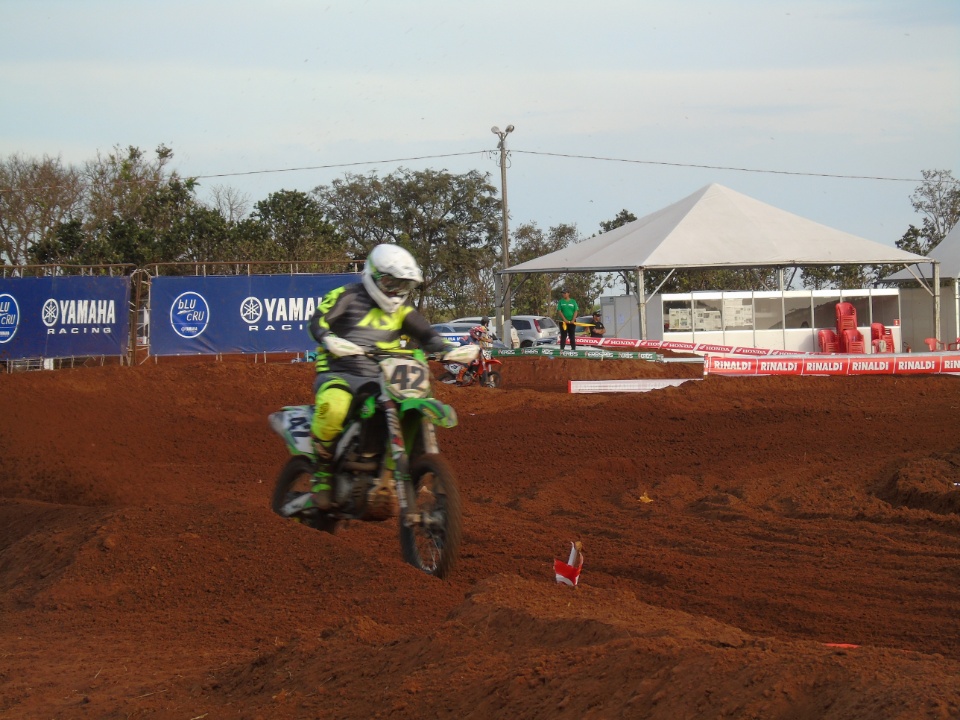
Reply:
x=567, y=310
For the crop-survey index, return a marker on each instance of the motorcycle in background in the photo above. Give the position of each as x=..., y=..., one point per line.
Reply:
x=484, y=371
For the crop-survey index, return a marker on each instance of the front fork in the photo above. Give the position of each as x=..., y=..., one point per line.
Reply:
x=398, y=460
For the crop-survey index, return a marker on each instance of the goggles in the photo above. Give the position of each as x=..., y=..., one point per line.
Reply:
x=395, y=286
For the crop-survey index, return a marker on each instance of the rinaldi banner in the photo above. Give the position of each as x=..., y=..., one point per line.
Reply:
x=589, y=354
x=236, y=314
x=702, y=348
x=905, y=364
x=60, y=317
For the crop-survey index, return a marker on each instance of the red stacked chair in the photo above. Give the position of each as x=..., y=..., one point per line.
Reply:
x=846, y=317
x=881, y=338
x=850, y=338
x=852, y=341
x=828, y=341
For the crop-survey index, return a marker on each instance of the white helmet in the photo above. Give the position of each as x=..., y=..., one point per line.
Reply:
x=390, y=275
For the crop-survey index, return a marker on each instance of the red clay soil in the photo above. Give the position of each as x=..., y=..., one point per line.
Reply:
x=799, y=556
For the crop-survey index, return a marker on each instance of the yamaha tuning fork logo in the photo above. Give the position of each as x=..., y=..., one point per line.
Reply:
x=251, y=309
x=189, y=315
x=9, y=317
x=277, y=313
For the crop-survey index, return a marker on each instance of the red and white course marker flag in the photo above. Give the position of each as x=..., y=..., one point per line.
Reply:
x=568, y=572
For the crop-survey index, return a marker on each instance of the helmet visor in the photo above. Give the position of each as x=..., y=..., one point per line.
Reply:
x=395, y=286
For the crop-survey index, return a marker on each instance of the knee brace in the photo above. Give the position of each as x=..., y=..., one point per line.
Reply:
x=330, y=410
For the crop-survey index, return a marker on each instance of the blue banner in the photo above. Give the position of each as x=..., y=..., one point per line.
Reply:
x=236, y=314
x=59, y=317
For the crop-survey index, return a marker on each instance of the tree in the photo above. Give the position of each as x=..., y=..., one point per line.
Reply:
x=539, y=292
x=36, y=196
x=623, y=217
x=232, y=204
x=938, y=200
x=135, y=209
x=294, y=228
x=818, y=277
x=450, y=223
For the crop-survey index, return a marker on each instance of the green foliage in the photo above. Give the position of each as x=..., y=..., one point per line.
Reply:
x=623, y=217
x=293, y=227
x=938, y=200
x=539, y=292
x=450, y=223
x=820, y=277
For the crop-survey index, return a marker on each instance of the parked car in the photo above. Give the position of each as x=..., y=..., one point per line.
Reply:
x=536, y=330
x=476, y=321
x=456, y=333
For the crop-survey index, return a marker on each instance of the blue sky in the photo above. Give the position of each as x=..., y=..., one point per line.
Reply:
x=831, y=87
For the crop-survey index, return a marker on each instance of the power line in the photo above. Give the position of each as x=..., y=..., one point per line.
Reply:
x=717, y=167
x=338, y=165
x=524, y=152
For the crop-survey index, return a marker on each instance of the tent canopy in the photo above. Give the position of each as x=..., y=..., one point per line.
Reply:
x=716, y=227
x=947, y=252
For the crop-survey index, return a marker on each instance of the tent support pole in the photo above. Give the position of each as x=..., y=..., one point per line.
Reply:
x=936, y=299
x=956, y=307
x=642, y=304
x=663, y=282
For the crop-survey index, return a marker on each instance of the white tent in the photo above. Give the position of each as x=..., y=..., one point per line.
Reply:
x=947, y=252
x=715, y=227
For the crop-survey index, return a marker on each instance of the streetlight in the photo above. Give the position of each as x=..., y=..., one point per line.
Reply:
x=503, y=317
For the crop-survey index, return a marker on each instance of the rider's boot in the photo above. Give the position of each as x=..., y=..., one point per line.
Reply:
x=321, y=490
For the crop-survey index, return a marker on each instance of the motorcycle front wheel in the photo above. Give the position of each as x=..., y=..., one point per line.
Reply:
x=296, y=479
x=433, y=543
x=492, y=379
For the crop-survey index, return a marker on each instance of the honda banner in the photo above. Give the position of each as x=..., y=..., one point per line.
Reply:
x=58, y=317
x=236, y=314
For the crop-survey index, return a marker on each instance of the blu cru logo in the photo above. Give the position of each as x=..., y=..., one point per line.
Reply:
x=9, y=317
x=189, y=315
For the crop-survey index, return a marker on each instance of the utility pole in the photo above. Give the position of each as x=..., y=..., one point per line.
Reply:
x=504, y=300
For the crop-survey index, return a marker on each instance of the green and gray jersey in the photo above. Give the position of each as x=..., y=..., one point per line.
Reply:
x=350, y=313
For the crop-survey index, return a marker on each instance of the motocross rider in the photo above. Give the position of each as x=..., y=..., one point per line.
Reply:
x=478, y=335
x=372, y=314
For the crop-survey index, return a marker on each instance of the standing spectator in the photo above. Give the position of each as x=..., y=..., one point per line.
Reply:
x=567, y=310
x=597, y=330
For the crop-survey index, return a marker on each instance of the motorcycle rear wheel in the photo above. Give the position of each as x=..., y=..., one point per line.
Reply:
x=491, y=379
x=433, y=545
x=295, y=479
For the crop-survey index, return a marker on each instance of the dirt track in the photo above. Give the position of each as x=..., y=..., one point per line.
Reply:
x=142, y=574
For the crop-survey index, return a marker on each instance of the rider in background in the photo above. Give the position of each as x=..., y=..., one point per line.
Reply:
x=373, y=314
x=478, y=335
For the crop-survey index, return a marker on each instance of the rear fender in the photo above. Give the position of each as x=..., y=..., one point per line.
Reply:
x=292, y=423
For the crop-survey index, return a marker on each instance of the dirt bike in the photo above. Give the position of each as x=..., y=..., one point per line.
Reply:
x=484, y=372
x=385, y=463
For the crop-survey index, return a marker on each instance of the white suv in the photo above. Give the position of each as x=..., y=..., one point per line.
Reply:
x=476, y=321
x=536, y=330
